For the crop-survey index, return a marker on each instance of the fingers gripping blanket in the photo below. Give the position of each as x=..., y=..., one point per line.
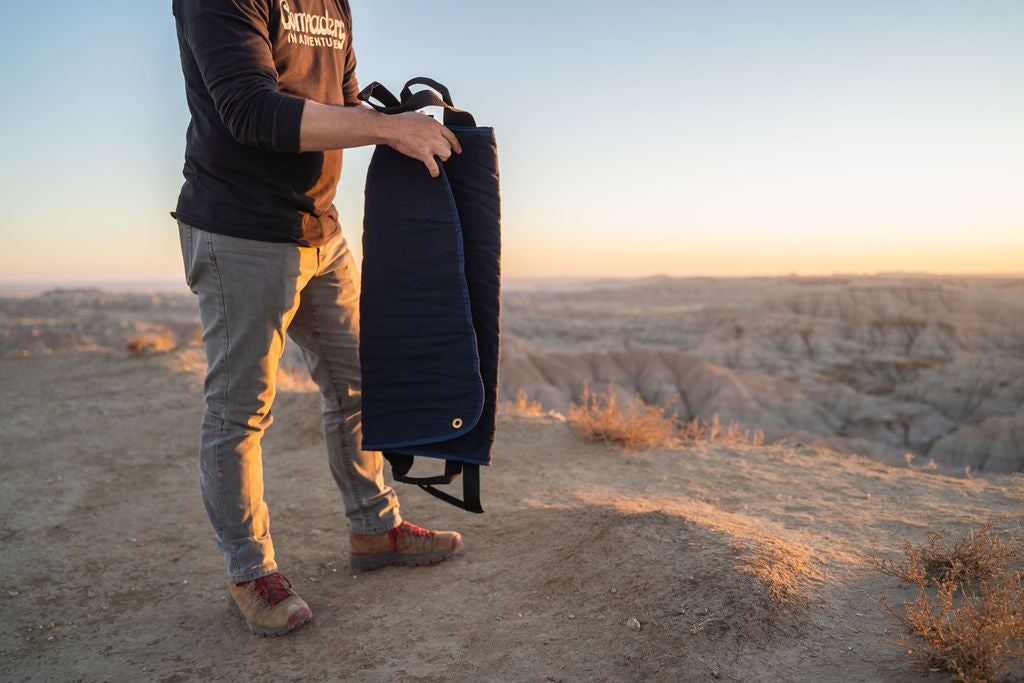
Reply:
x=430, y=302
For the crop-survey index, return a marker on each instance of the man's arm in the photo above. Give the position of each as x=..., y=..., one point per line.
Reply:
x=326, y=126
x=229, y=43
x=331, y=127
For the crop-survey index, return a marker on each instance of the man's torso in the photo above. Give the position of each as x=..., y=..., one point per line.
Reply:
x=241, y=189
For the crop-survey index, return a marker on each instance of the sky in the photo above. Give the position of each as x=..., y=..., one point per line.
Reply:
x=723, y=137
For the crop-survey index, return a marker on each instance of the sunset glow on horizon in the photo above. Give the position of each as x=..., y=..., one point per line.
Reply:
x=697, y=138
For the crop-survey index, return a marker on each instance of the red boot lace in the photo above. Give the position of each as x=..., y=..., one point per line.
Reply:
x=272, y=588
x=407, y=529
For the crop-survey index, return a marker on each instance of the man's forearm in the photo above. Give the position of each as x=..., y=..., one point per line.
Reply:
x=327, y=126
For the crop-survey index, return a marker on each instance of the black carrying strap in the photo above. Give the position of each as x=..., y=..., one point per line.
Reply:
x=376, y=91
x=412, y=101
x=402, y=463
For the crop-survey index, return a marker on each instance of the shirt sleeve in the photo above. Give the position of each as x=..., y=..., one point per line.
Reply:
x=350, y=86
x=230, y=44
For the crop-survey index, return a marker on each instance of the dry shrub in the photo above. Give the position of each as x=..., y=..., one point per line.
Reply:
x=153, y=342
x=978, y=555
x=192, y=361
x=522, y=406
x=909, y=457
x=637, y=425
x=968, y=633
x=784, y=571
x=702, y=430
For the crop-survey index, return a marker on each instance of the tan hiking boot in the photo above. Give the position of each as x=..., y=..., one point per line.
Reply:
x=268, y=605
x=406, y=545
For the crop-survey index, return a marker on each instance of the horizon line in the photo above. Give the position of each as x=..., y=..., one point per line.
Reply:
x=23, y=286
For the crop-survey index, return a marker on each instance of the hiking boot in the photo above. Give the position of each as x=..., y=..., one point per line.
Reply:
x=268, y=605
x=406, y=545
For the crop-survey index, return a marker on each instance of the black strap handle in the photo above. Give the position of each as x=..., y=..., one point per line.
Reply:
x=470, y=490
x=402, y=463
x=446, y=94
x=412, y=101
x=377, y=91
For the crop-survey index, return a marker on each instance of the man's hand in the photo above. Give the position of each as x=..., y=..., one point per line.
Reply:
x=413, y=134
x=419, y=136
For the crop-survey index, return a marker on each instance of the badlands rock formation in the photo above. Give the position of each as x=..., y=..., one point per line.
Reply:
x=882, y=366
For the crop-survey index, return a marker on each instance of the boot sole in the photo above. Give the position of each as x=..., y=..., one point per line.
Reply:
x=365, y=563
x=296, y=620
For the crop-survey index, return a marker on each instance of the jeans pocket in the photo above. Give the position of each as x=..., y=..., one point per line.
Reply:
x=186, y=234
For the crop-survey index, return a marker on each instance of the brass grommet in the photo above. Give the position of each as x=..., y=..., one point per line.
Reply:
x=457, y=422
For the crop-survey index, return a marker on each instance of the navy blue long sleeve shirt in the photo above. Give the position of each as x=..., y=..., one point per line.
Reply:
x=248, y=66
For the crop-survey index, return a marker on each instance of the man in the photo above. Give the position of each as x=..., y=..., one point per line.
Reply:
x=272, y=92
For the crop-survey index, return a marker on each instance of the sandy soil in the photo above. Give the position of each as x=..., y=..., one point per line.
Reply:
x=110, y=571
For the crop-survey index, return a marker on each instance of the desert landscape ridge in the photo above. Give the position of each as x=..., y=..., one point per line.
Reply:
x=881, y=366
x=693, y=561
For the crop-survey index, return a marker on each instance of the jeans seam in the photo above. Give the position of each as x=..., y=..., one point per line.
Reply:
x=232, y=555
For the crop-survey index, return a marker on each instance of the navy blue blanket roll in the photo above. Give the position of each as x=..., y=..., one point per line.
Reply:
x=429, y=310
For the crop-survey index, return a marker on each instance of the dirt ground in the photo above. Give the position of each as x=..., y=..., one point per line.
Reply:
x=736, y=562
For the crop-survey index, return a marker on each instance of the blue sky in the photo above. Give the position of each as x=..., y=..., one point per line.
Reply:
x=723, y=137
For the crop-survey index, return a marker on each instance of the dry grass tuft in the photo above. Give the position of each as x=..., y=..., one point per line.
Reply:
x=702, y=430
x=909, y=457
x=152, y=342
x=192, y=361
x=639, y=425
x=968, y=633
x=784, y=572
x=522, y=406
x=978, y=555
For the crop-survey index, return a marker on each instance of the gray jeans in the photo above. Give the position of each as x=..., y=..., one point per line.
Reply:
x=251, y=293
